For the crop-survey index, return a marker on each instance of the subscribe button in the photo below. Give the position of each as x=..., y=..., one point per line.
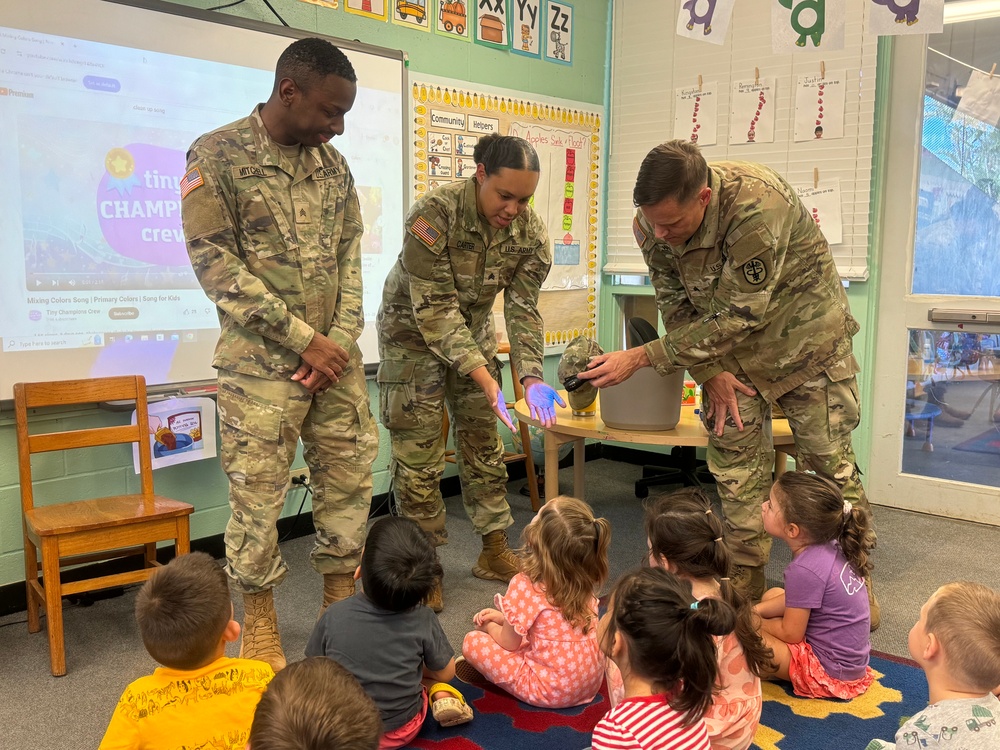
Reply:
x=123, y=313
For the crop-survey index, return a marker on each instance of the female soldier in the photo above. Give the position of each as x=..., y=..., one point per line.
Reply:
x=465, y=242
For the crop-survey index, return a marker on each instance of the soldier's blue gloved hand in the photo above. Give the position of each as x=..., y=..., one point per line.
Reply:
x=500, y=407
x=541, y=399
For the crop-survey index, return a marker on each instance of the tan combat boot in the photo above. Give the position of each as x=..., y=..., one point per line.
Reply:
x=260, y=630
x=749, y=581
x=873, y=605
x=496, y=561
x=435, y=599
x=336, y=586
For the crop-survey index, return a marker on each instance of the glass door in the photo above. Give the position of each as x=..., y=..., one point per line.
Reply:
x=936, y=411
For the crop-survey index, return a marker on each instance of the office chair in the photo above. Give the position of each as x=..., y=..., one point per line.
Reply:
x=683, y=467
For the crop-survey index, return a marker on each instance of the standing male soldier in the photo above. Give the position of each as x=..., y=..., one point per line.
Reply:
x=755, y=310
x=274, y=233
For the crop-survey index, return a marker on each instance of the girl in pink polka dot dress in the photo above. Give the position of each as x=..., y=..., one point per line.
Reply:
x=689, y=540
x=540, y=642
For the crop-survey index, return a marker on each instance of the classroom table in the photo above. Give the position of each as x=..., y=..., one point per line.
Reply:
x=569, y=428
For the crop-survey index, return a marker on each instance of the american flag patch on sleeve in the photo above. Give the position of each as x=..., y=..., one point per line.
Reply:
x=640, y=236
x=422, y=230
x=190, y=181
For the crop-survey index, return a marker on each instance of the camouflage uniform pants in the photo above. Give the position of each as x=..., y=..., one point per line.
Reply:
x=261, y=422
x=821, y=414
x=413, y=389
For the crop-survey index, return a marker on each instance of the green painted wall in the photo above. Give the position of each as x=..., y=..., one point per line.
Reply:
x=202, y=483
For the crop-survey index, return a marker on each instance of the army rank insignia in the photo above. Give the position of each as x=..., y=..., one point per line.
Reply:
x=422, y=230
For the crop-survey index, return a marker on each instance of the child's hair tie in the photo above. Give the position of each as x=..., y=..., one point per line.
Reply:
x=708, y=512
x=694, y=605
x=848, y=507
x=724, y=579
x=718, y=538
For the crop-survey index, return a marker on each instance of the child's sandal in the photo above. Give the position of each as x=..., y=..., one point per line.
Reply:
x=450, y=711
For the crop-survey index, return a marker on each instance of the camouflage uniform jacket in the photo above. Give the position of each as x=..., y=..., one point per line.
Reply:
x=755, y=288
x=439, y=295
x=276, y=247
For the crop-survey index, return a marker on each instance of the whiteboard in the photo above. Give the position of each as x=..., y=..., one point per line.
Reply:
x=99, y=102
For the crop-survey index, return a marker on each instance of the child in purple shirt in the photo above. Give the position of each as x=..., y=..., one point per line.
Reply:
x=818, y=624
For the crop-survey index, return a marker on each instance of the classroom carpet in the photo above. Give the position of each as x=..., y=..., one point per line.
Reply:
x=788, y=723
x=988, y=442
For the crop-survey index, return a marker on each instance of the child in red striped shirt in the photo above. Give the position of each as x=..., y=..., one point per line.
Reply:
x=661, y=638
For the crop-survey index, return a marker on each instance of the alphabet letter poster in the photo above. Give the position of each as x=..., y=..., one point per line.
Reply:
x=491, y=22
x=526, y=25
x=894, y=18
x=810, y=25
x=559, y=33
x=705, y=20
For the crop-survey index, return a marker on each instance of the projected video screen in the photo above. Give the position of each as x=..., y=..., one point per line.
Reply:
x=93, y=138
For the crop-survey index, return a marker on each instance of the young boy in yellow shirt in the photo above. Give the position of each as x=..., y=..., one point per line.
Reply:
x=199, y=697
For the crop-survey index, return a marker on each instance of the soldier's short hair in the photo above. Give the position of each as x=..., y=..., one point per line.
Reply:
x=315, y=703
x=399, y=565
x=312, y=59
x=496, y=152
x=965, y=618
x=675, y=169
x=182, y=611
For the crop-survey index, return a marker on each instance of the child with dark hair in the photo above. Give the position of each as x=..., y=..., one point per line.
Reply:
x=687, y=538
x=199, y=697
x=315, y=704
x=663, y=641
x=957, y=643
x=389, y=640
x=818, y=625
x=539, y=643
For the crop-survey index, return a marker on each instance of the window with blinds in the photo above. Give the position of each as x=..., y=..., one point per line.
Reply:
x=650, y=61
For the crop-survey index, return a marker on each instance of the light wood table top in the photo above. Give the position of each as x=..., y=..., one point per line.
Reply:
x=689, y=431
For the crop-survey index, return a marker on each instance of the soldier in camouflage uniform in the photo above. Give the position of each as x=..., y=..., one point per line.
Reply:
x=755, y=310
x=273, y=229
x=465, y=243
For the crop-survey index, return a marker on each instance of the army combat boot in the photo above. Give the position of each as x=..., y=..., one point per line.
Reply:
x=336, y=586
x=496, y=561
x=260, y=630
x=749, y=581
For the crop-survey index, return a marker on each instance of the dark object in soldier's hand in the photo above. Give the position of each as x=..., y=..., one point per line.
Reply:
x=572, y=383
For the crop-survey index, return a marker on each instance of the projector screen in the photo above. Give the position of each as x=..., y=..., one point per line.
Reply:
x=99, y=102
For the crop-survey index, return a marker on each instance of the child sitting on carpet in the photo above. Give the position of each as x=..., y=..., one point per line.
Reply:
x=661, y=638
x=315, y=703
x=388, y=638
x=957, y=643
x=689, y=540
x=818, y=625
x=540, y=643
x=199, y=697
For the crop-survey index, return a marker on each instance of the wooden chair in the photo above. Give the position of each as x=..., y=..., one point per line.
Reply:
x=508, y=457
x=71, y=533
